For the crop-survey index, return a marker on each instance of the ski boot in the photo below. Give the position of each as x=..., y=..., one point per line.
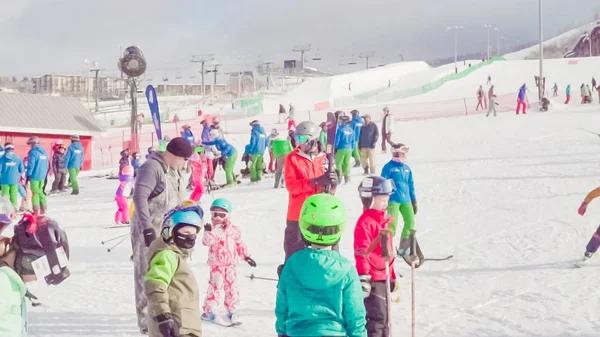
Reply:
x=346, y=179
x=233, y=318
x=366, y=172
x=208, y=316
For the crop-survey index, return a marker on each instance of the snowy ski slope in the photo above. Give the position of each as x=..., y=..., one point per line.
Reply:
x=500, y=194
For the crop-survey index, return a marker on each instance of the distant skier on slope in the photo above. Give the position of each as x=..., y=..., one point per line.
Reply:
x=522, y=99
x=228, y=152
x=479, y=98
x=555, y=90
x=568, y=93
x=492, y=106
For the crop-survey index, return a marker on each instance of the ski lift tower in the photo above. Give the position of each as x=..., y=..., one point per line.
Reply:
x=301, y=49
x=133, y=64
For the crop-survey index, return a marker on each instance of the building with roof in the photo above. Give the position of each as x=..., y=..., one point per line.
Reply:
x=53, y=119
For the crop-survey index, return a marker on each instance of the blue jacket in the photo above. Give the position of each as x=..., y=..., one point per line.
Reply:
x=136, y=165
x=522, y=92
x=568, y=89
x=344, y=137
x=37, y=164
x=221, y=144
x=400, y=173
x=74, y=156
x=357, y=124
x=258, y=140
x=319, y=294
x=206, y=133
x=189, y=136
x=12, y=167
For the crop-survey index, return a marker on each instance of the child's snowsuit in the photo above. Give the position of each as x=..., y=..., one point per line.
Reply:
x=13, y=309
x=226, y=249
x=371, y=263
x=319, y=294
x=171, y=287
x=121, y=197
x=403, y=200
x=199, y=167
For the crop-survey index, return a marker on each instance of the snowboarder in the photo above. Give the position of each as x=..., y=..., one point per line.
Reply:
x=304, y=176
x=369, y=135
x=320, y=278
x=344, y=145
x=357, y=124
x=226, y=249
x=12, y=167
x=281, y=115
x=228, y=153
x=124, y=160
x=479, y=98
x=258, y=144
x=187, y=134
x=59, y=168
x=159, y=187
x=281, y=149
x=386, y=129
x=555, y=90
x=270, y=139
x=37, y=170
x=291, y=118
x=522, y=99
x=403, y=202
x=492, y=107
x=374, y=193
x=170, y=285
x=32, y=238
x=122, y=195
x=198, y=164
x=135, y=162
x=74, y=160
x=568, y=92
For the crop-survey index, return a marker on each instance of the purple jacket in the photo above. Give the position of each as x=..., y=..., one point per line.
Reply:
x=206, y=133
x=522, y=93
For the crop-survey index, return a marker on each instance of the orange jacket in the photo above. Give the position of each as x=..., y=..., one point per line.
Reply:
x=299, y=170
x=592, y=195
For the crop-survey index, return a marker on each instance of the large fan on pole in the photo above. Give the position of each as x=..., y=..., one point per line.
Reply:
x=133, y=64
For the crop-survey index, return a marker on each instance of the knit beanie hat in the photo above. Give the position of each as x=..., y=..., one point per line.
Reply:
x=180, y=147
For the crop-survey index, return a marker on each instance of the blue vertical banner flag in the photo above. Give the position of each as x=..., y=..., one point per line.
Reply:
x=153, y=104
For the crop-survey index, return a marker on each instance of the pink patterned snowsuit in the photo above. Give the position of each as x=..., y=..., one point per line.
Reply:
x=198, y=174
x=123, y=191
x=226, y=249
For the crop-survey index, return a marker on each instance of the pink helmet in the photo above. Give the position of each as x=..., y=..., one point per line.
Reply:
x=127, y=171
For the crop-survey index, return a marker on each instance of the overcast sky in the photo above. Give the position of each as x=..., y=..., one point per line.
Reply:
x=55, y=36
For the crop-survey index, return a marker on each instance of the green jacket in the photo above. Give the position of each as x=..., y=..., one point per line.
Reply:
x=319, y=294
x=13, y=310
x=323, y=139
x=281, y=147
x=171, y=287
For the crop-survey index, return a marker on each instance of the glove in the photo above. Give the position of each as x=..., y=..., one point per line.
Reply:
x=329, y=178
x=166, y=325
x=250, y=261
x=207, y=227
x=149, y=236
x=582, y=208
x=365, y=283
x=415, y=207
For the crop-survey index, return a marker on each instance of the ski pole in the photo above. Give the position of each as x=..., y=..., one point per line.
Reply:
x=386, y=255
x=252, y=277
x=118, y=243
x=115, y=238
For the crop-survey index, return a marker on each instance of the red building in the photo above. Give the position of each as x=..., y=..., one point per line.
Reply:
x=51, y=118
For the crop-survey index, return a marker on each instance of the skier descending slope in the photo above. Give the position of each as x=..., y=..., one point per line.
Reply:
x=374, y=193
x=594, y=243
x=319, y=292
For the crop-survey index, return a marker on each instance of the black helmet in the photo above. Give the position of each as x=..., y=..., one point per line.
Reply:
x=354, y=112
x=372, y=186
x=36, y=237
x=255, y=122
x=344, y=119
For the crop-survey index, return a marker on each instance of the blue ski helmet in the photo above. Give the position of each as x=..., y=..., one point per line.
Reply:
x=222, y=203
x=190, y=216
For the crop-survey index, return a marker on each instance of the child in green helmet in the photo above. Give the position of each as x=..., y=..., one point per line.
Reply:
x=319, y=291
x=170, y=285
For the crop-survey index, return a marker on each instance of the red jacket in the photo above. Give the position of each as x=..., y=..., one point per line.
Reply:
x=367, y=229
x=299, y=170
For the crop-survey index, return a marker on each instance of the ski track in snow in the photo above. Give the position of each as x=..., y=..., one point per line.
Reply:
x=501, y=194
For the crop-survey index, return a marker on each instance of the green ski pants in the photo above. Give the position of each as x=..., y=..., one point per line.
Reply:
x=256, y=167
x=12, y=191
x=356, y=153
x=229, y=166
x=37, y=194
x=408, y=215
x=73, y=173
x=342, y=161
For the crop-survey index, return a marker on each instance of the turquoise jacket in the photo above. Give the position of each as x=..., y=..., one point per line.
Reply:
x=13, y=310
x=319, y=294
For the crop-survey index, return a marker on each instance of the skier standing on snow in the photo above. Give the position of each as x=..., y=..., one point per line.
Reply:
x=555, y=90
x=209, y=151
x=304, y=176
x=291, y=118
x=226, y=249
x=479, y=98
x=37, y=170
x=489, y=80
x=522, y=99
x=198, y=164
x=122, y=195
x=344, y=145
x=323, y=135
x=386, y=129
x=374, y=193
x=369, y=135
x=124, y=160
x=59, y=168
x=170, y=285
x=593, y=83
x=12, y=168
x=213, y=136
x=568, y=92
x=357, y=124
x=281, y=115
x=159, y=187
x=403, y=202
x=589, y=97
x=187, y=134
x=135, y=162
x=228, y=154
x=492, y=107
x=74, y=160
x=319, y=292
x=258, y=144
x=270, y=139
x=281, y=149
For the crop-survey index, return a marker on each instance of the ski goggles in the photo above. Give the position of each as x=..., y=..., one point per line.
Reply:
x=302, y=139
x=218, y=214
x=401, y=149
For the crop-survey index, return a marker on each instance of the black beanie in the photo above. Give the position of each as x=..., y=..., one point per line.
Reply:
x=180, y=147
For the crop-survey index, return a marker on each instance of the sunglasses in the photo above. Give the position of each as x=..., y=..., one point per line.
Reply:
x=218, y=214
x=302, y=139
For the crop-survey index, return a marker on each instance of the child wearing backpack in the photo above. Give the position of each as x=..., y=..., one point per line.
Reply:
x=319, y=292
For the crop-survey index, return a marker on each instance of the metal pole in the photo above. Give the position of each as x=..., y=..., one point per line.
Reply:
x=88, y=87
x=541, y=84
x=203, y=92
x=455, y=49
x=488, y=43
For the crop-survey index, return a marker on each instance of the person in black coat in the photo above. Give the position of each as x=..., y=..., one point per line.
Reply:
x=369, y=135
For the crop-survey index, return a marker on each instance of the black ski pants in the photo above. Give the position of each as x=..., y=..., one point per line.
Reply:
x=376, y=305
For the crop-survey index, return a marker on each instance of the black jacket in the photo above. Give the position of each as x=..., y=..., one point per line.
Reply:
x=369, y=134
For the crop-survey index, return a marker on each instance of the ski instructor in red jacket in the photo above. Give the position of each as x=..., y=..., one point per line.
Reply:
x=305, y=175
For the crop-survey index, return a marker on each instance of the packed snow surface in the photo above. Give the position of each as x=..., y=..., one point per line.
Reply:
x=501, y=194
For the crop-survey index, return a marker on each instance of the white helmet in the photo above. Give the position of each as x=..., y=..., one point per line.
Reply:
x=215, y=134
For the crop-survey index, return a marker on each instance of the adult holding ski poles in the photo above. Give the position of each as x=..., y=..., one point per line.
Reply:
x=159, y=187
x=304, y=176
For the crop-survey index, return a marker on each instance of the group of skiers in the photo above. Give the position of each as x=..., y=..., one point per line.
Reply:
x=17, y=175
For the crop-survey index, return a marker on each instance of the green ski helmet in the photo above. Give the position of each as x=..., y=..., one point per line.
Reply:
x=322, y=219
x=222, y=203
